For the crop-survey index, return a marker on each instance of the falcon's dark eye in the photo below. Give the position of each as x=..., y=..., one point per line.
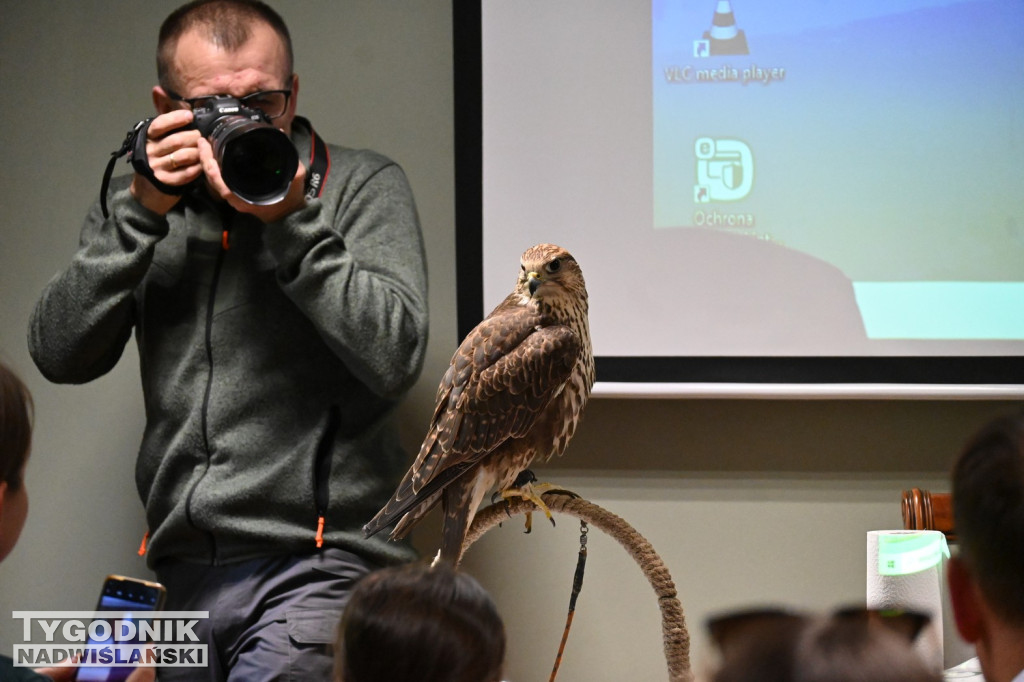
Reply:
x=554, y=266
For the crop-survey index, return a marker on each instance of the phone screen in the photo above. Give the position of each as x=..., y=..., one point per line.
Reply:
x=128, y=597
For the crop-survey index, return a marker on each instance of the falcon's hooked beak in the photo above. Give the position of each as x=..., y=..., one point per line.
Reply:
x=533, y=282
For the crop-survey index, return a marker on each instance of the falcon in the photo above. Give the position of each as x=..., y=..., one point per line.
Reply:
x=514, y=392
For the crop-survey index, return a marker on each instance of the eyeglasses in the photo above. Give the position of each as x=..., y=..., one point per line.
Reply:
x=273, y=103
x=724, y=629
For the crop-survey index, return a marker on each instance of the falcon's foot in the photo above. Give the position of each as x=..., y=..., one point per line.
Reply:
x=526, y=487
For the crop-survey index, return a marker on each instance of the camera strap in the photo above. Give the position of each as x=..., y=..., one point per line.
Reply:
x=319, y=160
x=135, y=145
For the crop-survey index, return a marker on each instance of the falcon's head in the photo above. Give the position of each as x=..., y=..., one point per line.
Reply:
x=550, y=274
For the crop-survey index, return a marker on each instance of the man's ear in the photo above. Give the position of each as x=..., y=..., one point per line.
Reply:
x=3, y=491
x=964, y=596
x=162, y=102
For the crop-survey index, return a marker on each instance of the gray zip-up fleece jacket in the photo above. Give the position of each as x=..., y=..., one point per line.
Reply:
x=272, y=357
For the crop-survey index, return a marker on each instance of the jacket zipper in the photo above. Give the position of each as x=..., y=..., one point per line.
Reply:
x=322, y=473
x=208, y=342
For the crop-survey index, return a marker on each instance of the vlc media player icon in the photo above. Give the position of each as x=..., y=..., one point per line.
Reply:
x=724, y=37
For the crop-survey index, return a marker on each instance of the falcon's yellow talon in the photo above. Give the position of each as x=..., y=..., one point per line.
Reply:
x=532, y=492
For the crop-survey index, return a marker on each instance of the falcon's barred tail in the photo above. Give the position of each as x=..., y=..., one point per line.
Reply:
x=459, y=503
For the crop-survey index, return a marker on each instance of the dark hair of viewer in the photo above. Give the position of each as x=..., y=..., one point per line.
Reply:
x=852, y=645
x=988, y=513
x=414, y=623
x=15, y=427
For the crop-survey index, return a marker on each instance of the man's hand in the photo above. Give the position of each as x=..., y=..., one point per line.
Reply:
x=67, y=674
x=142, y=674
x=59, y=673
x=173, y=156
x=293, y=201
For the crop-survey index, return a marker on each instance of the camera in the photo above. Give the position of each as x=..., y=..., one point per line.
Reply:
x=257, y=161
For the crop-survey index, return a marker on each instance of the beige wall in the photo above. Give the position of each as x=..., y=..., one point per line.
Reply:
x=759, y=500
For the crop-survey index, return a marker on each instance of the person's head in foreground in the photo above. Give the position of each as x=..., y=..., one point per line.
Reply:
x=15, y=442
x=414, y=623
x=986, y=579
x=852, y=645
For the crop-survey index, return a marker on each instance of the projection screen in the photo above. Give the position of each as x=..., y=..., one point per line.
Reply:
x=788, y=197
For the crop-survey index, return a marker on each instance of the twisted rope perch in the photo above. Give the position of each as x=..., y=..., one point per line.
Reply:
x=673, y=625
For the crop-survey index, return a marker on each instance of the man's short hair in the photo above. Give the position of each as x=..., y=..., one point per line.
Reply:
x=15, y=427
x=988, y=513
x=226, y=23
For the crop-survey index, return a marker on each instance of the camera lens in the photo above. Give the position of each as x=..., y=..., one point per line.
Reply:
x=257, y=161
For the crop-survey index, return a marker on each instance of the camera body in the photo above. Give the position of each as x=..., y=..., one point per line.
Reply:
x=222, y=109
x=257, y=160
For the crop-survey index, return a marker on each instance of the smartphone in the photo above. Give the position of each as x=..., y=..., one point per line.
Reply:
x=127, y=596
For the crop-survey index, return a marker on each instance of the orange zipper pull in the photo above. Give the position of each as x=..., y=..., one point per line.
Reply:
x=142, y=547
x=224, y=242
x=320, y=531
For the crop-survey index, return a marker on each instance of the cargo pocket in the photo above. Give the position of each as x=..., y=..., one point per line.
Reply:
x=311, y=644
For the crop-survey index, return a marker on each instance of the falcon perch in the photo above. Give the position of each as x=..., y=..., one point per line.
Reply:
x=514, y=392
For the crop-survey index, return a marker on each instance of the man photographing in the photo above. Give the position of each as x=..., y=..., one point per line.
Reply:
x=275, y=339
x=216, y=56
